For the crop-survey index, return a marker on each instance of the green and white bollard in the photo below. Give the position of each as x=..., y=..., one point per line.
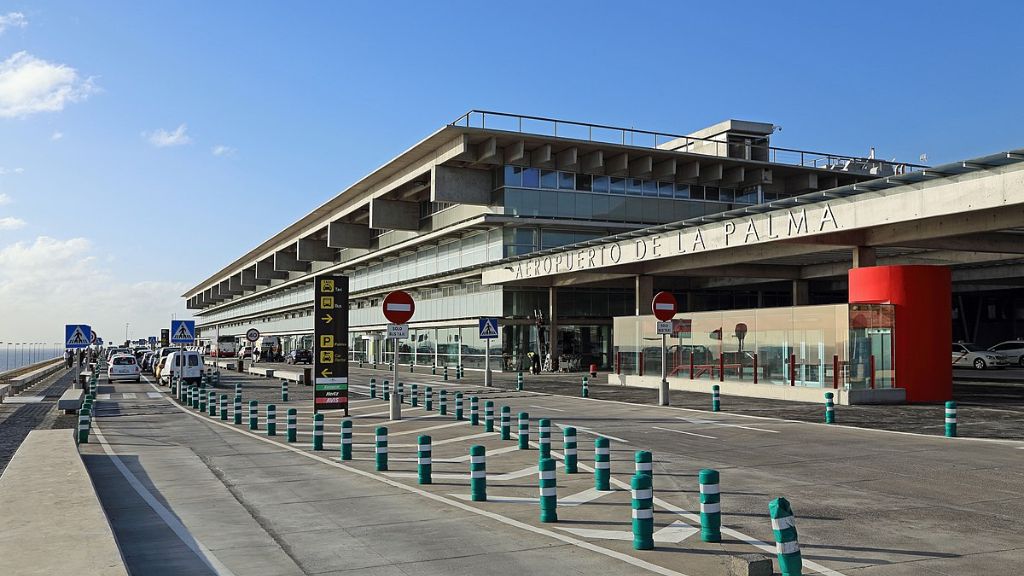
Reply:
x=524, y=430
x=381, y=448
x=387, y=390
x=238, y=409
x=474, y=411
x=716, y=398
x=602, y=464
x=211, y=403
x=477, y=473
x=548, y=490
x=644, y=461
x=373, y=387
x=412, y=367
x=506, y=423
x=446, y=373
x=710, y=506
x=238, y=387
x=585, y=392
x=643, y=512
x=271, y=420
x=428, y=399
x=224, y=407
x=202, y=399
x=293, y=425
x=787, y=545
x=544, y=437
x=423, y=462
x=84, y=424
x=951, y=419
x=318, y=431
x=174, y=388
x=444, y=402
x=346, y=439
x=193, y=401
x=519, y=381
x=569, y=449
x=458, y=406
x=830, y=408
x=433, y=369
x=489, y=416
x=401, y=392
x=284, y=390
x=415, y=397
x=254, y=416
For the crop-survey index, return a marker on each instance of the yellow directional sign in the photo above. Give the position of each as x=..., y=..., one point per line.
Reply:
x=327, y=356
x=330, y=342
x=327, y=286
x=327, y=318
x=327, y=302
x=325, y=372
x=327, y=341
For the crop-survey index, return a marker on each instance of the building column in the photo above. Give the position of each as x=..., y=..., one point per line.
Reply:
x=864, y=256
x=644, y=294
x=801, y=293
x=553, y=326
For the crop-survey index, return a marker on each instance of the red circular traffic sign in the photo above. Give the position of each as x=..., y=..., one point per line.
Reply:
x=398, y=307
x=664, y=306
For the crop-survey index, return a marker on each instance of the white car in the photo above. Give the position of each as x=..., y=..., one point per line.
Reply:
x=966, y=354
x=1012, y=350
x=124, y=367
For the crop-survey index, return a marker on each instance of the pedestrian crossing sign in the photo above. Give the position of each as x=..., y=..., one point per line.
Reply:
x=77, y=335
x=183, y=331
x=488, y=328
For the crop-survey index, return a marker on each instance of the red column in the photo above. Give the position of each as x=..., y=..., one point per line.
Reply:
x=691, y=365
x=755, y=368
x=792, y=369
x=640, y=366
x=835, y=372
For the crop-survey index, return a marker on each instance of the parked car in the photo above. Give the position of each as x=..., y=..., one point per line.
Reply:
x=124, y=367
x=967, y=354
x=299, y=355
x=160, y=355
x=147, y=359
x=187, y=365
x=1012, y=350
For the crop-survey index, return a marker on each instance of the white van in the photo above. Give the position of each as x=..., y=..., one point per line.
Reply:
x=188, y=365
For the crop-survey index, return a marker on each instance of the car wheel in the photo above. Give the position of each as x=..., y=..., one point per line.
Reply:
x=979, y=364
x=1021, y=361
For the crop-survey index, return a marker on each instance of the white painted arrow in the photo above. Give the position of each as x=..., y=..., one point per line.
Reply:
x=672, y=534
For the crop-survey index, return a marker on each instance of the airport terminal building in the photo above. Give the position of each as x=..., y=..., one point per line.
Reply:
x=793, y=268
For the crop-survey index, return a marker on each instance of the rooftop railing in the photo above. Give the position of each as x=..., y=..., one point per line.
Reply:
x=749, y=150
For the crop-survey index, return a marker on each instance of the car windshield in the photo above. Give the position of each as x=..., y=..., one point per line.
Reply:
x=124, y=360
x=973, y=348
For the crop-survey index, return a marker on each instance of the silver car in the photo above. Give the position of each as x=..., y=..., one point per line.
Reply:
x=966, y=354
x=1012, y=350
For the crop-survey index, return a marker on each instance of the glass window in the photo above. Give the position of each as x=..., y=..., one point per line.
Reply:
x=697, y=192
x=618, y=185
x=600, y=184
x=710, y=193
x=583, y=182
x=726, y=194
x=617, y=208
x=531, y=178
x=682, y=190
x=584, y=206
x=634, y=210
x=548, y=179
x=566, y=181
x=650, y=211
x=513, y=176
x=600, y=206
x=566, y=205
x=650, y=188
x=666, y=189
x=634, y=186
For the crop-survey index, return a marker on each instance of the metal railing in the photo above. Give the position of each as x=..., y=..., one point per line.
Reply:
x=658, y=140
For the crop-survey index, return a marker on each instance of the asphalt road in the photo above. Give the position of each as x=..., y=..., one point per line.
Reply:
x=866, y=501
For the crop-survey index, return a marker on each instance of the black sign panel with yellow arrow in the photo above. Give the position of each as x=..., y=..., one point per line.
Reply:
x=330, y=345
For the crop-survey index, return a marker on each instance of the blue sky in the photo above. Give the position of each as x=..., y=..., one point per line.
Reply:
x=111, y=112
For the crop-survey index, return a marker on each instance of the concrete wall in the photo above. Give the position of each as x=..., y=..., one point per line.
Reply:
x=768, y=391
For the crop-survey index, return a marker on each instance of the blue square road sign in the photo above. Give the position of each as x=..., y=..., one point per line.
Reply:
x=183, y=331
x=488, y=328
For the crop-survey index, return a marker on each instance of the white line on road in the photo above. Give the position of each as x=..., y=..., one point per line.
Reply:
x=726, y=424
x=684, y=432
x=593, y=432
x=547, y=408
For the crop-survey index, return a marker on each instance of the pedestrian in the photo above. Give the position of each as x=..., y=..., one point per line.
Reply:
x=68, y=359
x=256, y=354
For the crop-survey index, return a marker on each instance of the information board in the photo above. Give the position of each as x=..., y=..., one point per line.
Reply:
x=330, y=345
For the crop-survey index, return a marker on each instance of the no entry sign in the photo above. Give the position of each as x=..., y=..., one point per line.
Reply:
x=664, y=306
x=398, y=307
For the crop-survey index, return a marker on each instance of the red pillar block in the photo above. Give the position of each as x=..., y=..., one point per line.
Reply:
x=921, y=297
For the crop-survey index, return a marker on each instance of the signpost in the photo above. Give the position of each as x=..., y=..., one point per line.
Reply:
x=488, y=332
x=77, y=336
x=152, y=341
x=165, y=337
x=183, y=331
x=330, y=341
x=398, y=309
x=664, y=307
x=252, y=334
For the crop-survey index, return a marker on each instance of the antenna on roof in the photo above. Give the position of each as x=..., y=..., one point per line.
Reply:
x=871, y=155
x=923, y=157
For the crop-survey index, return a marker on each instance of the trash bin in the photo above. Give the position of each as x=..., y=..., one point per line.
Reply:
x=593, y=370
x=241, y=365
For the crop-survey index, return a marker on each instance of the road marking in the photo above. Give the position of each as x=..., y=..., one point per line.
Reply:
x=103, y=396
x=684, y=432
x=546, y=408
x=465, y=458
x=24, y=399
x=154, y=395
x=726, y=424
x=569, y=501
x=172, y=522
x=671, y=534
x=128, y=395
x=594, y=433
x=429, y=428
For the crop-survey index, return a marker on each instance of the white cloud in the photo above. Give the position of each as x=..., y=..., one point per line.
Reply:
x=12, y=20
x=4, y=199
x=222, y=150
x=162, y=138
x=49, y=282
x=11, y=223
x=6, y=171
x=29, y=85
x=56, y=136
